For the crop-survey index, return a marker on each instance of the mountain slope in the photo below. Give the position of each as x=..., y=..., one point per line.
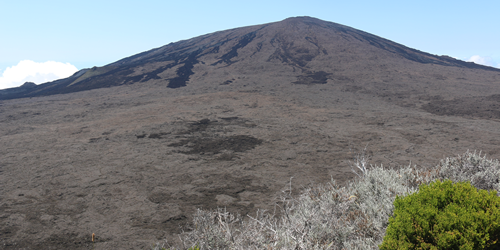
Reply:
x=309, y=49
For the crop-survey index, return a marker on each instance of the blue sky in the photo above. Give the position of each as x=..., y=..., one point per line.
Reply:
x=90, y=33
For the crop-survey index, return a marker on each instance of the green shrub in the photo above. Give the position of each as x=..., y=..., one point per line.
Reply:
x=443, y=215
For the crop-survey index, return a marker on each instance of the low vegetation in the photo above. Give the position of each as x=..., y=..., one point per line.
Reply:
x=356, y=215
x=444, y=215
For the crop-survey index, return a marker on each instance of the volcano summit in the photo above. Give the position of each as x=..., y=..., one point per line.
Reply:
x=129, y=150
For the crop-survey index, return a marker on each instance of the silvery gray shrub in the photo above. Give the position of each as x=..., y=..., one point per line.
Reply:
x=329, y=216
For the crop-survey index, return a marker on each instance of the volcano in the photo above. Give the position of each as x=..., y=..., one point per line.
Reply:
x=130, y=150
x=300, y=50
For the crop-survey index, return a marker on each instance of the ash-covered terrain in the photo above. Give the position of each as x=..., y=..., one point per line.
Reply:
x=130, y=150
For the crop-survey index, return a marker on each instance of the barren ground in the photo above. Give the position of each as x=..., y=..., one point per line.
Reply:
x=132, y=163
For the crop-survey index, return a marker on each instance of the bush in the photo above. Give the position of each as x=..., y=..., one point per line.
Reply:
x=443, y=215
x=354, y=216
x=328, y=216
x=481, y=172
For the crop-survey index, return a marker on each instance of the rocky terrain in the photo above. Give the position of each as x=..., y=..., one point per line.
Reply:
x=129, y=150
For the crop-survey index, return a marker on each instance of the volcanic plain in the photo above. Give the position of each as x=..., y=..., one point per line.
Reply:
x=130, y=150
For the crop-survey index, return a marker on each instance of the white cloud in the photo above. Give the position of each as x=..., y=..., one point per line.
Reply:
x=29, y=71
x=484, y=60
